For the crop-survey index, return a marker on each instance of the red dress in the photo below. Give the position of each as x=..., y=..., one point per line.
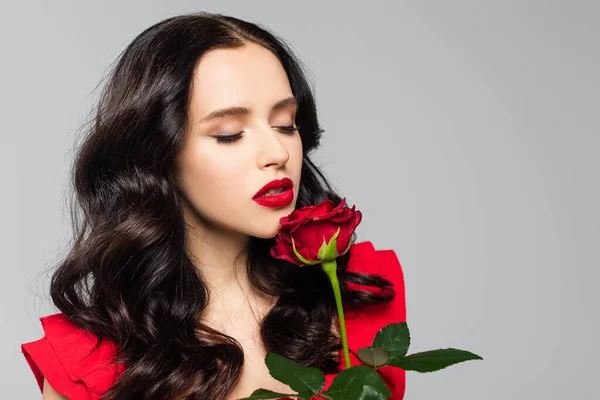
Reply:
x=60, y=356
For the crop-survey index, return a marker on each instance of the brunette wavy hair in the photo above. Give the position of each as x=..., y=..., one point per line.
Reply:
x=127, y=277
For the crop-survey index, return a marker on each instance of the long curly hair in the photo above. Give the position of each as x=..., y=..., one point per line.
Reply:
x=127, y=277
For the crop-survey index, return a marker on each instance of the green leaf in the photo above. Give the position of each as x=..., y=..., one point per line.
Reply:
x=395, y=338
x=304, y=380
x=328, y=251
x=321, y=255
x=260, y=394
x=375, y=356
x=433, y=360
x=358, y=383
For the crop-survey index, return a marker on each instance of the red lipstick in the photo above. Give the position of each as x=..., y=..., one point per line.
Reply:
x=276, y=199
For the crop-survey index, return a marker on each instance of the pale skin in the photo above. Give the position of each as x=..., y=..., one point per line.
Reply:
x=218, y=181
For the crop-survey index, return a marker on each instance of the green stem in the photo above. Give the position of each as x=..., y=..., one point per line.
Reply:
x=330, y=268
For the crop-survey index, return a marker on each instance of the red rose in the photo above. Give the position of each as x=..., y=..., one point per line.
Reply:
x=312, y=226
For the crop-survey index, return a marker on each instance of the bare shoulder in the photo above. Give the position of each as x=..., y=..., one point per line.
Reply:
x=51, y=394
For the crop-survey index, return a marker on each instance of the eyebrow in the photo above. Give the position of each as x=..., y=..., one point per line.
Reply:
x=241, y=111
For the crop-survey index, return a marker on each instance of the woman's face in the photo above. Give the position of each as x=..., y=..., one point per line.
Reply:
x=219, y=179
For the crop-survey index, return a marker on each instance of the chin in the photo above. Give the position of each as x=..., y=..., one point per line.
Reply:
x=271, y=229
x=269, y=235
x=266, y=233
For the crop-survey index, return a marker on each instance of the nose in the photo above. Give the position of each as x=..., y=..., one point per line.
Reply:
x=272, y=150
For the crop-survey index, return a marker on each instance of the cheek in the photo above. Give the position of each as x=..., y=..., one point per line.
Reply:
x=297, y=152
x=210, y=176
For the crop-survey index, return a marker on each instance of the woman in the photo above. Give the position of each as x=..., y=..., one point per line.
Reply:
x=170, y=267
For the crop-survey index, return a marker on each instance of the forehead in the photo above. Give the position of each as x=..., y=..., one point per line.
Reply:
x=248, y=75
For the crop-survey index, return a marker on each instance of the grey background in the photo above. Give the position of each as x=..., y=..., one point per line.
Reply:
x=466, y=132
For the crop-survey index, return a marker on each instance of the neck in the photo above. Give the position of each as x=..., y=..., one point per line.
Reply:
x=221, y=258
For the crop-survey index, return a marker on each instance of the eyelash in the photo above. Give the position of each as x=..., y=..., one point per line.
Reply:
x=225, y=139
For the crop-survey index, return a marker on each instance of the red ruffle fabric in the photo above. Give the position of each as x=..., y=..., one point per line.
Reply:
x=64, y=357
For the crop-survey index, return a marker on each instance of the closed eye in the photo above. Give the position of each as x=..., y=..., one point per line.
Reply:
x=289, y=129
x=228, y=138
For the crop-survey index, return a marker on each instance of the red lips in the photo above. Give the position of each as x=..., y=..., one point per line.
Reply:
x=285, y=183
